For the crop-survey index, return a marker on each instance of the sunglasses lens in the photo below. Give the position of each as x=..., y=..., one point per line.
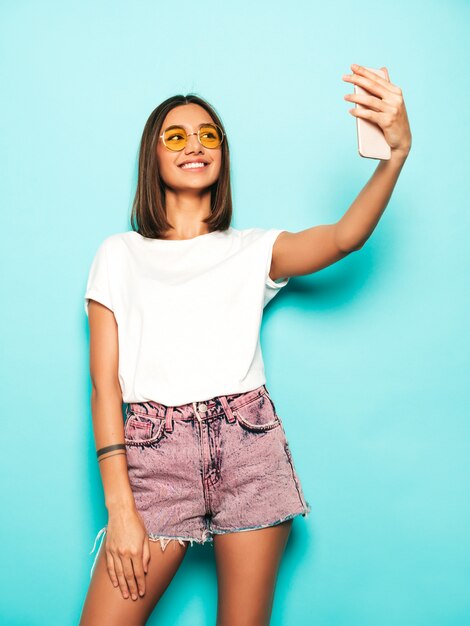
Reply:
x=175, y=138
x=210, y=136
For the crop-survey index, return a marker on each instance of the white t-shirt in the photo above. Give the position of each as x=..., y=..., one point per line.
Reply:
x=188, y=311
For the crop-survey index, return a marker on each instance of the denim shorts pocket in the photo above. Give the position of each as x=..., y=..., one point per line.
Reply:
x=258, y=415
x=143, y=429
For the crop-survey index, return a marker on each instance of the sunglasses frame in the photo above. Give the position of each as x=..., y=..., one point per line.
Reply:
x=162, y=136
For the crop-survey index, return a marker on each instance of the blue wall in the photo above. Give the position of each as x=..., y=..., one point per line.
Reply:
x=366, y=359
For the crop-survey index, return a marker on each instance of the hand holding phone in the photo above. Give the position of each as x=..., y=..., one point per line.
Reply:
x=370, y=138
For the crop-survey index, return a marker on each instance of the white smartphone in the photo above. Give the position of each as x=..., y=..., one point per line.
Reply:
x=370, y=138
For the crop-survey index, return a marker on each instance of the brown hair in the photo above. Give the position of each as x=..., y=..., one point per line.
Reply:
x=148, y=215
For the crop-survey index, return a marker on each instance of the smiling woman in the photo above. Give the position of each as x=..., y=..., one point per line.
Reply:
x=175, y=309
x=183, y=129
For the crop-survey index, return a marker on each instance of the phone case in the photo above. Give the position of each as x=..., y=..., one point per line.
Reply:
x=370, y=138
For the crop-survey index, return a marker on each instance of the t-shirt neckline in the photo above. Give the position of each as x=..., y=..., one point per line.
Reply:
x=179, y=241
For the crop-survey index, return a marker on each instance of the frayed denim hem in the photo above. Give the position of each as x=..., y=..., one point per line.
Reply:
x=222, y=531
x=166, y=539
x=206, y=533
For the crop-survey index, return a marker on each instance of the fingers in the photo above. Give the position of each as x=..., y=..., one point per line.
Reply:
x=386, y=73
x=374, y=103
x=119, y=568
x=111, y=570
x=367, y=114
x=371, y=76
x=127, y=556
x=125, y=568
x=371, y=82
x=146, y=555
x=139, y=574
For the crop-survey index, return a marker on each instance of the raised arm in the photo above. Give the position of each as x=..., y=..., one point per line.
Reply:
x=310, y=250
x=126, y=531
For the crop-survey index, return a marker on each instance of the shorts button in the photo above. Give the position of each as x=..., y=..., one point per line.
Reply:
x=202, y=407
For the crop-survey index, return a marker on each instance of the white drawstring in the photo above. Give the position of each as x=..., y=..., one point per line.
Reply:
x=103, y=530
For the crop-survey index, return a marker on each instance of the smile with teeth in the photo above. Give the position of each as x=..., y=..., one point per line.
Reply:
x=192, y=166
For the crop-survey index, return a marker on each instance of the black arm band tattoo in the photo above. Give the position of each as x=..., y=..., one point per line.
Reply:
x=108, y=457
x=116, y=446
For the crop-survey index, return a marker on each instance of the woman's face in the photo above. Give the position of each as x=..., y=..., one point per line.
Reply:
x=190, y=116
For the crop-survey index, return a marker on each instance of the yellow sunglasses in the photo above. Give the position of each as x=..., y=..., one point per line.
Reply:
x=176, y=138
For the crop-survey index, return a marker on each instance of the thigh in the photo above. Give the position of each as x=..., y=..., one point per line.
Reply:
x=104, y=604
x=247, y=564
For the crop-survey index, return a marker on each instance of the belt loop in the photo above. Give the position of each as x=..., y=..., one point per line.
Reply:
x=196, y=413
x=168, y=419
x=228, y=411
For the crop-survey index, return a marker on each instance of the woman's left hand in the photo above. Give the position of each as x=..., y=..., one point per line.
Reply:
x=384, y=106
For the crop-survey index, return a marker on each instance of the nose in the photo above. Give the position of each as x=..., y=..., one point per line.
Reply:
x=193, y=143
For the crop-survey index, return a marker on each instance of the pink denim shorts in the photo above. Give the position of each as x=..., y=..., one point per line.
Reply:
x=213, y=467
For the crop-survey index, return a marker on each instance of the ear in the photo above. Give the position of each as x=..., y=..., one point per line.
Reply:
x=386, y=73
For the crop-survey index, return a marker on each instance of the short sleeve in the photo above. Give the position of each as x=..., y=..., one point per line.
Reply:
x=98, y=287
x=272, y=287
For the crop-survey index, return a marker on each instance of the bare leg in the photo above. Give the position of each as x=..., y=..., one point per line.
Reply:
x=104, y=604
x=247, y=565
